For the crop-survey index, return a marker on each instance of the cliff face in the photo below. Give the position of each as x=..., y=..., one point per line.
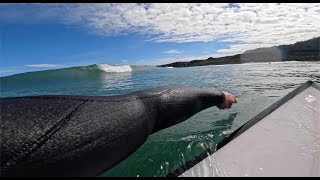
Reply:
x=301, y=51
x=262, y=55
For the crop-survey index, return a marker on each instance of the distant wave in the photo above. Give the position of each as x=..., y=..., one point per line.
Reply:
x=78, y=72
x=114, y=69
x=119, y=69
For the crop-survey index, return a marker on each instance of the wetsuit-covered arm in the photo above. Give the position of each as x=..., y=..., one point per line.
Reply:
x=87, y=135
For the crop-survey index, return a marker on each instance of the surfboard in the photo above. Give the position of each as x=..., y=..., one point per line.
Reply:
x=282, y=140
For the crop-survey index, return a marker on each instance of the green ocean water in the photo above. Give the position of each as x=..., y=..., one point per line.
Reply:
x=256, y=86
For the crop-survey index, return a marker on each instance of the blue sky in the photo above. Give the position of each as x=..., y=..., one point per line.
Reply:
x=45, y=36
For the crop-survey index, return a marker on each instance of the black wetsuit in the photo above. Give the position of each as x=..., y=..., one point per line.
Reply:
x=87, y=135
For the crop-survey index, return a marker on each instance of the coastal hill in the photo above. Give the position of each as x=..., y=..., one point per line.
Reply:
x=300, y=51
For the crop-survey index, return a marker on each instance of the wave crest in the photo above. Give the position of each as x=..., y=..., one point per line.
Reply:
x=111, y=69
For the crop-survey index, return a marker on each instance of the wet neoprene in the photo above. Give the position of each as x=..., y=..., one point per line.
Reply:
x=87, y=135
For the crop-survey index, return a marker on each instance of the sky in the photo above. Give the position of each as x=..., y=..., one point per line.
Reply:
x=49, y=36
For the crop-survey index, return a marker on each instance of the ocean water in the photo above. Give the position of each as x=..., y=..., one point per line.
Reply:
x=255, y=85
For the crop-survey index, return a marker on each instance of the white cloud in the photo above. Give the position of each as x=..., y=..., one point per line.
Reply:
x=173, y=51
x=250, y=24
x=42, y=65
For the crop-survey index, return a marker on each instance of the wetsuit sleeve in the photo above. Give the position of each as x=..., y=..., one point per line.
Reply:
x=87, y=135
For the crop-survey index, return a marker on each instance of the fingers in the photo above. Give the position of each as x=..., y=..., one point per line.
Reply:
x=234, y=99
x=229, y=105
x=229, y=100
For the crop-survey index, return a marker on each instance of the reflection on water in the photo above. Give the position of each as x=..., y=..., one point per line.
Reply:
x=114, y=83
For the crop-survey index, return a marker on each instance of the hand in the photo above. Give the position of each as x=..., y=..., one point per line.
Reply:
x=229, y=100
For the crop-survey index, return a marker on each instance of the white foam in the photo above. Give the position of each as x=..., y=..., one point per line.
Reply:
x=114, y=69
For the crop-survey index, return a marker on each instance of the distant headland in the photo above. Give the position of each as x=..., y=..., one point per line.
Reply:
x=300, y=51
